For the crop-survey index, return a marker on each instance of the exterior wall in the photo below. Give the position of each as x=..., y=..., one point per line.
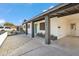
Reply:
x=64, y=24
x=54, y=24
x=24, y=27
x=38, y=27
x=30, y=28
x=74, y=19
x=59, y=26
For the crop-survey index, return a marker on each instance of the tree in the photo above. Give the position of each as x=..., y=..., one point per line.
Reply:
x=8, y=24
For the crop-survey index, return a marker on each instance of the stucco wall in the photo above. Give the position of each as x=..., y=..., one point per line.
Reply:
x=74, y=19
x=38, y=27
x=30, y=28
x=59, y=27
x=63, y=23
x=54, y=24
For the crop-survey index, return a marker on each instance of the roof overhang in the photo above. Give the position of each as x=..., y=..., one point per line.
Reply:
x=58, y=11
x=64, y=11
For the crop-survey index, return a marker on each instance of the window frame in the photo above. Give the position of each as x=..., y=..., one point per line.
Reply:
x=42, y=26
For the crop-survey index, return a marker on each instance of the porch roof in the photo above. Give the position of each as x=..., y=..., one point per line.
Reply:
x=58, y=11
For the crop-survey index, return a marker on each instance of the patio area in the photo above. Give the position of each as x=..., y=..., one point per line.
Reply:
x=22, y=45
x=37, y=47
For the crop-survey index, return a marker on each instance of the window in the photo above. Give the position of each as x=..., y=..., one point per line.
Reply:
x=73, y=26
x=42, y=26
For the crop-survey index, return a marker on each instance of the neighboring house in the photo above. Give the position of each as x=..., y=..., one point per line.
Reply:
x=60, y=21
x=18, y=28
x=24, y=26
x=14, y=28
x=7, y=28
x=11, y=28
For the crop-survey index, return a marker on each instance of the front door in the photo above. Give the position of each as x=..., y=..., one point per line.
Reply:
x=35, y=29
x=73, y=29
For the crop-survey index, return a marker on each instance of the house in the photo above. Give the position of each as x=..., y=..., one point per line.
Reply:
x=59, y=21
x=10, y=28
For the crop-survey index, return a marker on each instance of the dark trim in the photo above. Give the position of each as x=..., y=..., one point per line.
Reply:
x=32, y=29
x=26, y=29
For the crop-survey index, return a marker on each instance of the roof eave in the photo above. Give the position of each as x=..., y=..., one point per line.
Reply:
x=48, y=11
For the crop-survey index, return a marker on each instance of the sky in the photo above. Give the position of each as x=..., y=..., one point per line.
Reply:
x=17, y=12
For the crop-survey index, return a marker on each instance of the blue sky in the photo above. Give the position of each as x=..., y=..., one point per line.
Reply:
x=17, y=12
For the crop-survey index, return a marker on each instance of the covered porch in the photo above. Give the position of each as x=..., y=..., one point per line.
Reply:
x=60, y=21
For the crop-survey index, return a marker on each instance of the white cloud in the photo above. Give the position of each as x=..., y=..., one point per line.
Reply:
x=44, y=10
x=2, y=21
x=50, y=7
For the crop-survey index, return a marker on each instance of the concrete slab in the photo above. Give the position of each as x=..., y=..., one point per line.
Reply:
x=46, y=51
x=22, y=45
x=71, y=42
x=12, y=43
x=29, y=46
x=36, y=47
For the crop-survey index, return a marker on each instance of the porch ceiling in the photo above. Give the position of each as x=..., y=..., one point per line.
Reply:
x=67, y=11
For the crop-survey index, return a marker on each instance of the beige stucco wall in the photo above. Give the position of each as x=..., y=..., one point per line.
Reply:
x=54, y=23
x=38, y=26
x=30, y=28
x=59, y=22
x=74, y=19
x=54, y=30
x=63, y=23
